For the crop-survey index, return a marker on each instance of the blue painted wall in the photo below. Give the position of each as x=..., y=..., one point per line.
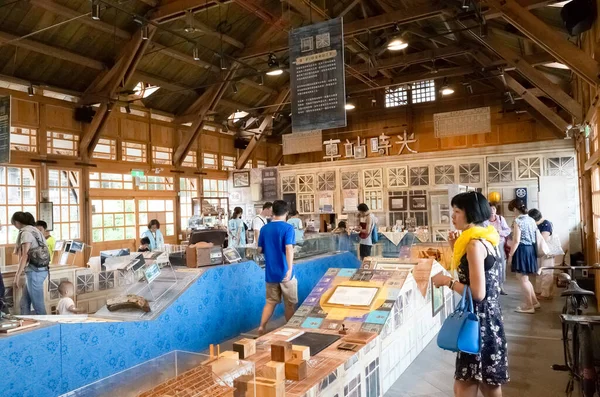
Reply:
x=224, y=302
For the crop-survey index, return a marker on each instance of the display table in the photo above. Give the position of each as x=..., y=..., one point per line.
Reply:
x=219, y=304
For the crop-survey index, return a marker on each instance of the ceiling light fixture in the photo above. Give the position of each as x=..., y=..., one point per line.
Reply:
x=446, y=89
x=223, y=64
x=234, y=87
x=349, y=105
x=145, y=31
x=95, y=10
x=30, y=90
x=396, y=44
x=196, y=53
x=273, y=64
x=261, y=80
x=465, y=4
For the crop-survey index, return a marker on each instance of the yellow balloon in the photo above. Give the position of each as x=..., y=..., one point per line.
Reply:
x=494, y=197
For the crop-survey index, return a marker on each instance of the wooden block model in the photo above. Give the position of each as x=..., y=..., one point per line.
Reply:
x=281, y=351
x=301, y=352
x=245, y=347
x=296, y=369
x=242, y=386
x=230, y=355
x=266, y=388
x=273, y=370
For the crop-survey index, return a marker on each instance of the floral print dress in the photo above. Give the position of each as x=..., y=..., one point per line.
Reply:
x=491, y=365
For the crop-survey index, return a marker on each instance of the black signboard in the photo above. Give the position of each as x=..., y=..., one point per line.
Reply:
x=290, y=198
x=269, y=184
x=4, y=129
x=317, y=76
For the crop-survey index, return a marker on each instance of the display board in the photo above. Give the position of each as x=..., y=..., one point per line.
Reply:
x=5, y=129
x=269, y=184
x=317, y=76
x=353, y=296
x=46, y=213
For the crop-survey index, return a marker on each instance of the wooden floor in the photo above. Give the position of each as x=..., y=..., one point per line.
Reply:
x=534, y=344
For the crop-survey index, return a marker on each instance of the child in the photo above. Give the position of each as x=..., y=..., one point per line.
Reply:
x=144, y=245
x=66, y=306
x=341, y=228
x=50, y=241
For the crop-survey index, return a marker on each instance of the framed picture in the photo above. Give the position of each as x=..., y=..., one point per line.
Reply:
x=437, y=299
x=374, y=145
x=397, y=203
x=331, y=149
x=241, y=179
x=360, y=152
x=46, y=213
x=418, y=203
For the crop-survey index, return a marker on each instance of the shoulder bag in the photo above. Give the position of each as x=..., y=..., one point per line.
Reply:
x=460, y=331
x=541, y=247
x=40, y=255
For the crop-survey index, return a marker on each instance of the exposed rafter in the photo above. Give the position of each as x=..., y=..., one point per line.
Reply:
x=549, y=39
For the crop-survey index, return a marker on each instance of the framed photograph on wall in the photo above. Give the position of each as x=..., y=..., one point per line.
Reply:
x=398, y=203
x=360, y=152
x=241, y=179
x=46, y=213
x=374, y=145
x=418, y=203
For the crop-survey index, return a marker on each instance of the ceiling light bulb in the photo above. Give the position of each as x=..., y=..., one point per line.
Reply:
x=275, y=72
x=145, y=32
x=396, y=44
x=30, y=91
x=447, y=90
x=95, y=10
x=349, y=106
x=196, y=54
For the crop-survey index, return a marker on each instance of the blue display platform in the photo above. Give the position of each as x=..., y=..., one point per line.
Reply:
x=224, y=302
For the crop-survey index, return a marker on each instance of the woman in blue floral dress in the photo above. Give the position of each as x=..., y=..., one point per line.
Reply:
x=476, y=262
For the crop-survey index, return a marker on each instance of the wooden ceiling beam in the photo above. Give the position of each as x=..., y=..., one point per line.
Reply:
x=379, y=22
x=162, y=83
x=549, y=39
x=207, y=102
x=348, y=8
x=46, y=49
x=120, y=75
x=177, y=8
x=538, y=105
x=255, y=8
x=66, y=12
x=235, y=105
x=527, y=4
x=266, y=122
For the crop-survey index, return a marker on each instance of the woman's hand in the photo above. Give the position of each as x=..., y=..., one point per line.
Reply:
x=441, y=280
x=19, y=281
x=452, y=236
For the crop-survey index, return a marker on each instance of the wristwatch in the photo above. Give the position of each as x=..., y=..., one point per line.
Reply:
x=451, y=284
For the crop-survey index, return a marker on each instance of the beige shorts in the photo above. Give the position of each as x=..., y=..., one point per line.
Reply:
x=288, y=290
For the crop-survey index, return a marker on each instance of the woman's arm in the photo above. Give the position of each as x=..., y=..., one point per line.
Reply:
x=546, y=235
x=22, y=264
x=515, y=240
x=476, y=253
x=504, y=228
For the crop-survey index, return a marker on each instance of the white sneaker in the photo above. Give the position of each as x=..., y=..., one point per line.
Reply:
x=519, y=309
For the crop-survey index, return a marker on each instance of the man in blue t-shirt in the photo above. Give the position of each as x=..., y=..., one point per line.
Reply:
x=276, y=241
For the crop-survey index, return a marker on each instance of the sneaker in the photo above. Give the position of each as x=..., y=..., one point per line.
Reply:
x=502, y=292
x=519, y=309
x=537, y=306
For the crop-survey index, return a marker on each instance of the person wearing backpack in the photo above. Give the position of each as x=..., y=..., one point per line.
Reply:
x=34, y=262
x=367, y=222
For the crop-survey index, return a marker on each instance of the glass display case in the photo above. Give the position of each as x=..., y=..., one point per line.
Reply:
x=191, y=374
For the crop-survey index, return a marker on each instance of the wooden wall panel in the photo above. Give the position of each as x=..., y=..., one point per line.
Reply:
x=491, y=138
x=226, y=146
x=162, y=135
x=111, y=128
x=24, y=113
x=516, y=132
x=134, y=130
x=61, y=118
x=209, y=143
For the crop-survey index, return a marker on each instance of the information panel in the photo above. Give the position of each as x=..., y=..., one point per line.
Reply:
x=269, y=184
x=4, y=129
x=317, y=76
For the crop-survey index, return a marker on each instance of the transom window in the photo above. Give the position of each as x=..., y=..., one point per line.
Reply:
x=261, y=164
x=23, y=139
x=104, y=180
x=423, y=91
x=106, y=149
x=134, y=152
x=248, y=165
x=162, y=155
x=191, y=160
x=18, y=192
x=188, y=189
x=113, y=220
x=63, y=144
x=210, y=161
x=162, y=210
x=396, y=97
x=156, y=183
x=64, y=192
x=227, y=163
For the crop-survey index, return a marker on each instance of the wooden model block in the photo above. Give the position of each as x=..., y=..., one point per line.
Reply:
x=281, y=351
x=301, y=352
x=296, y=369
x=361, y=337
x=266, y=388
x=242, y=386
x=273, y=370
x=245, y=348
x=230, y=355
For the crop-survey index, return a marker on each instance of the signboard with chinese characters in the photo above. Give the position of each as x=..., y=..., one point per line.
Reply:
x=4, y=129
x=317, y=76
x=269, y=184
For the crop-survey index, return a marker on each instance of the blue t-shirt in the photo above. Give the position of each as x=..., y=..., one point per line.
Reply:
x=545, y=226
x=274, y=236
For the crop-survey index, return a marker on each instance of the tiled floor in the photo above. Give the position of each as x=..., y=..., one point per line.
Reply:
x=533, y=346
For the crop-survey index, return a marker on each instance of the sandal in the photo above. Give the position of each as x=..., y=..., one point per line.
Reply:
x=537, y=306
x=519, y=309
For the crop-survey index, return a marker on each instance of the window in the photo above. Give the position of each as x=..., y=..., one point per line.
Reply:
x=469, y=173
x=103, y=180
x=443, y=174
x=134, y=152
x=113, y=220
x=63, y=144
x=261, y=164
x=191, y=160
x=105, y=149
x=227, y=163
x=374, y=199
x=596, y=198
x=327, y=381
x=17, y=193
x=23, y=139
x=372, y=378
x=409, y=214
x=214, y=188
x=500, y=171
x=560, y=166
x=162, y=155
x=162, y=210
x=209, y=161
x=248, y=165
x=156, y=183
x=419, y=176
x=188, y=189
x=64, y=192
x=396, y=97
x=352, y=389
x=423, y=91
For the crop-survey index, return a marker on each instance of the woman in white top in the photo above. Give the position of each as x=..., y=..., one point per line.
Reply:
x=237, y=232
x=154, y=235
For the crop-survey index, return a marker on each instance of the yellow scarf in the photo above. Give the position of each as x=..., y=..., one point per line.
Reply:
x=476, y=232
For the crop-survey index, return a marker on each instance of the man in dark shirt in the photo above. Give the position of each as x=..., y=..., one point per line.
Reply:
x=276, y=241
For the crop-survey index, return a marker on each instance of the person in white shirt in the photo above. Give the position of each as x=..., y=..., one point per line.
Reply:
x=261, y=219
x=66, y=306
